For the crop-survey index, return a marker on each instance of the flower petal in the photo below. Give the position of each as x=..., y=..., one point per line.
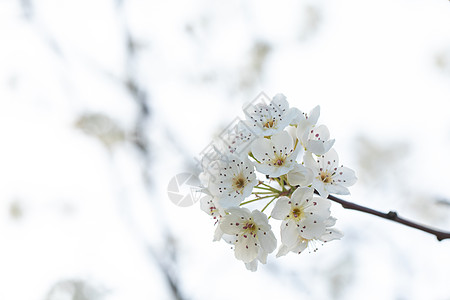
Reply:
x=311, y=228
x=262, y=256
x=206, y=204
x=294, y=115
x=300, y=175
x=321, y=189
x=282, y=251
x=338, y=189
x=279, y=102
x=267, y=240
x=229, y=239
x=252, y=266
x=309, y=160
x=330, y=221
x=300, y=246
x=246, y=248
x=261, y=220
x=230, y=200
x=332, y=157
x=318, y=208
x=314, y=115
x=282, y=142
x=281, y=209
x=331, y=234
x=218, y=233
x=234, y=221
x=319, y=147
x=301, y=194
x=262, y=149
x=346, y=176
x=289, y=233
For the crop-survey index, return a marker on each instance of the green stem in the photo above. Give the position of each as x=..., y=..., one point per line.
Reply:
x=284, y=181
x=252, y=156
x=262, y=193
x=264, y=188
x=268, y=204
x=253, y=200
x=265, y=184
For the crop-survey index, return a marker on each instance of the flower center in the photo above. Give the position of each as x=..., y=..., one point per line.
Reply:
x=297, y=214
x=279, y=161
x=250, y=227
x=325, y=177
x=269, y=123
x=239, y=182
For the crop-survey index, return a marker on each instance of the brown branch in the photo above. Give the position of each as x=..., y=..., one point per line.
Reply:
x=392, y=215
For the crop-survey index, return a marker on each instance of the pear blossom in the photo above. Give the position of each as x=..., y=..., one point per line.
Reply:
x=329, y=177
x=275, y=156
x=285, y=146
x=262, y=258
x=210, y=163
x=253, y=265
x=315, y=139
x=303, y=215
x=236, y=140
x=300, y=175
x=233, y=180
x=305, y=121
x=210, y=205
x=302, y=243
x=253, y=234
x=331, y=233
x=266, y=120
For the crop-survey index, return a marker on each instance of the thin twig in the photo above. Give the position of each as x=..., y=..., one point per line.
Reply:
x=392, y=215
x=257, y=199
x=264, y=208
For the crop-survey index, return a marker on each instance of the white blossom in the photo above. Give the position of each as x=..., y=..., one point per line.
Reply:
x=252, y=233
x=305, y=121
x=302, y=243
x=271, y=141
x=303, y=215
x=331, y=233
x=232, y=180
x=329, y=177
x=210, y=162
x=268, y=119
x=236, y=140
x=300, y=175
x=262, y=258
x=314, y=138
x=210, y=205
x=275, y=156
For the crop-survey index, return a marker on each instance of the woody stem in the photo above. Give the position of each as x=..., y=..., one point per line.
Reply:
x=391, y=215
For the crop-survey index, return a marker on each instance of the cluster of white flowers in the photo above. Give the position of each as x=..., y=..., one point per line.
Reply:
x=278, y=158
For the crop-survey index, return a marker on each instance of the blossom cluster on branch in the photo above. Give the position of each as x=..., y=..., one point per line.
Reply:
x=273, y=160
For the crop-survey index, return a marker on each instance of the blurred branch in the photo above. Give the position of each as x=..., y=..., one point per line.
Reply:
x=443, y=202
x=391, y=215
x=27, y=9
x=139, y=93
x=167, y=266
